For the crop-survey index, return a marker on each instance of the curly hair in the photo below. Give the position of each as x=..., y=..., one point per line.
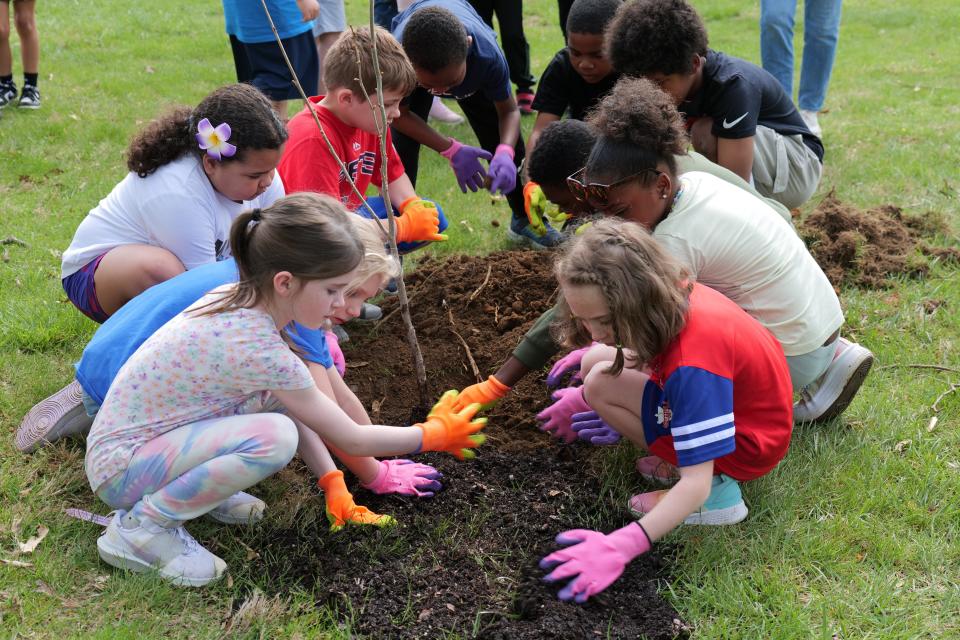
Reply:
x=434, y=39
x=591, y=16
x=349, y=63
x=647, y=291
x=562, y=149
x=639, y=127
x=655, y=36
x=253, y=124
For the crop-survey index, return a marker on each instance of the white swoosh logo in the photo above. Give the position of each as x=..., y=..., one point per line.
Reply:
x=728, y=125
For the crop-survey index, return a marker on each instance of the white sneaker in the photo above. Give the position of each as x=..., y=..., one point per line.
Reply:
x=139, y=546
x=810, y=119
x=828, y=396
x=240, y=508
x=58, y=416
x=442, y=113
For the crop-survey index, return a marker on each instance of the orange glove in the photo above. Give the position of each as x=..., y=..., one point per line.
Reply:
x=419, y=221
x=449, y=430
x=342, y=510
x=485, y=393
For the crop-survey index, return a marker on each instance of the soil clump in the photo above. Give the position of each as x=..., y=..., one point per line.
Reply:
x=465, y=561
x=865, y=248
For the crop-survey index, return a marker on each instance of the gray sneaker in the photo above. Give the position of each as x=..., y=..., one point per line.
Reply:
x=53, y=418
x=8, y=93
x=29, y=97
x=832, y=393
x=240, y=508
x=129, y=543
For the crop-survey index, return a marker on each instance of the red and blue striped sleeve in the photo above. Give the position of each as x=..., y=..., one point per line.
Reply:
x=701, y=421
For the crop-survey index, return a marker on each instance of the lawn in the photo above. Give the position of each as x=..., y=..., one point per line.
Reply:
x=855, y=535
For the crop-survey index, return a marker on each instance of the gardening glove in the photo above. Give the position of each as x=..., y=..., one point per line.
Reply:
x=534, y=205
x=405, y=477
x=342, y=510
x=446, y=429
x=595, y=560
x=484, y=393
x=591, y=428
x=419, y=221
x=503, y=171
x=333, y=346
x=465, y=161
x=557, y=417
x=567, y=364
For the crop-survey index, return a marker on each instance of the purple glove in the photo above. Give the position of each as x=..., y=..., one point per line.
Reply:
x=557, y=417
x=503, y=171
x=591, y=428
x=333, y=345
x=595, y=560
x=406, y=477
x=566, y=364
x=465, y=161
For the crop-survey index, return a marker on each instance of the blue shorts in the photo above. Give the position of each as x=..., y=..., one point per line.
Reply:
x=376, y=203
x=270, y=73
x=82, y=290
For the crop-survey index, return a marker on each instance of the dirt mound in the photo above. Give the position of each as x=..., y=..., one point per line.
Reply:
x=464, y=562
x=867, y=247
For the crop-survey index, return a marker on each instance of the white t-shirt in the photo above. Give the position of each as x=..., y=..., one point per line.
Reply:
x=175, y=207
x=735, y=243
x=195, y=367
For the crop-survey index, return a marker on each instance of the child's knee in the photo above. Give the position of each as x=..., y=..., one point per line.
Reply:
x=26, y=22
x=279, y=440
x=596, y=354
x=596, y=382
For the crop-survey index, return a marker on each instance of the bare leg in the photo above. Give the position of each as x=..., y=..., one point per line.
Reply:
x=280, y=106
x=704, y=142
x=128, y=270
x=6, y=56
x=324, y=42
x=25, y=17
x=616, y=399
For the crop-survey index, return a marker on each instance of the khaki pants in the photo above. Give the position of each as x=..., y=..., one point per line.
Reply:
x=784, y=168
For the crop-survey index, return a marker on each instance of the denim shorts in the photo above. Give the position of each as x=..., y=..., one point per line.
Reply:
x=82, y=291
x=332, y=18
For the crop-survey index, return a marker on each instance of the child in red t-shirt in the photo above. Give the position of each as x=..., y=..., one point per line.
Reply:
x=351, y=122
x=692, y=379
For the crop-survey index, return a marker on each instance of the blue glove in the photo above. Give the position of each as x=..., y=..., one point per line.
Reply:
x=465, y=162
x=591, y=428
x=503, y=171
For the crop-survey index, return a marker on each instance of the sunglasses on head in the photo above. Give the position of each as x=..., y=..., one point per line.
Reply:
x=595, y=194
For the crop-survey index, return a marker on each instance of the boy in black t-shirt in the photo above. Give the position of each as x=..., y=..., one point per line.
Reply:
x=738, y=114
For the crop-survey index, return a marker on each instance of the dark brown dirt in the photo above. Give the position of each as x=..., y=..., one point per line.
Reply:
x=866, y=248
x=464, y=562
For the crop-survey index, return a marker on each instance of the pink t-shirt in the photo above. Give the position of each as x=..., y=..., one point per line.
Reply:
x=193, y=368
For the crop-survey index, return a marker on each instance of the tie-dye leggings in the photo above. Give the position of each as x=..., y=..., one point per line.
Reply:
x=188, y=471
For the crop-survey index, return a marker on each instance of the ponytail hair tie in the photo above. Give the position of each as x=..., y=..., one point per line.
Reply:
x=255, y=216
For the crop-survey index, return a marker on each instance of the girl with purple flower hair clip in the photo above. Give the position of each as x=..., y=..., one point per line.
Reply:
x=192, y=171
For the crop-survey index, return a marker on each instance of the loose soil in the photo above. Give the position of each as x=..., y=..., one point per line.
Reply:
x=866, y=248
x=465, y=561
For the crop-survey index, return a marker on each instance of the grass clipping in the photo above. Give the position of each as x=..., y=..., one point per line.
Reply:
x=865, y=248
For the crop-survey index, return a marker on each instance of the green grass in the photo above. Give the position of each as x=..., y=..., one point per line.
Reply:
x=854, y=535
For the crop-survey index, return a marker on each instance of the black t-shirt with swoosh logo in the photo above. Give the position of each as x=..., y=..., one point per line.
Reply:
x=739, y=95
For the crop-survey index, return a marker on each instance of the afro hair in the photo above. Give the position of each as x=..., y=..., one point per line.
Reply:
x=434, y=39
x=655, y=36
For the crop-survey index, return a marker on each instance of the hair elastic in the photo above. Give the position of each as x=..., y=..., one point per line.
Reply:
x=255, y=215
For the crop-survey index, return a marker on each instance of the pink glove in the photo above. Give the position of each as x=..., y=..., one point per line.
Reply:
x=333, y=346
x=503, y=170
x=405, y=477
x=465, y=162
x=565, y=365
x=558, y=417
x=595, y=560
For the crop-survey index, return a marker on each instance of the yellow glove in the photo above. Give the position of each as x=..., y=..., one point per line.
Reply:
x=539, y=209
x=419, y=221
x=446, y=429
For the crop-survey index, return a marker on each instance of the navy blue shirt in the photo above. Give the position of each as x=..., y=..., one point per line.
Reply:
x=561, y=88
x=487, y=70
x=739, y=95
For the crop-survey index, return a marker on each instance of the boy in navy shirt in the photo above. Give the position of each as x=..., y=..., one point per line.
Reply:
x=738, y=114
x=454, y=53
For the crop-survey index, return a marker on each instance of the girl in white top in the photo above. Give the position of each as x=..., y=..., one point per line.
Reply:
x=192, y=171
x=211, y=403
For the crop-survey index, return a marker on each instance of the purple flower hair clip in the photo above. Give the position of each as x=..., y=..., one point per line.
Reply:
x=213, y=140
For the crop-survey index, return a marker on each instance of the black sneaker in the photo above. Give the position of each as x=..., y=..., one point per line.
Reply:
x=29, y=97
x=8, y=93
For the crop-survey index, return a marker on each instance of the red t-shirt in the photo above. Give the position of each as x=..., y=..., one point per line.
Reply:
x=307, y=165
x=720, y=391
